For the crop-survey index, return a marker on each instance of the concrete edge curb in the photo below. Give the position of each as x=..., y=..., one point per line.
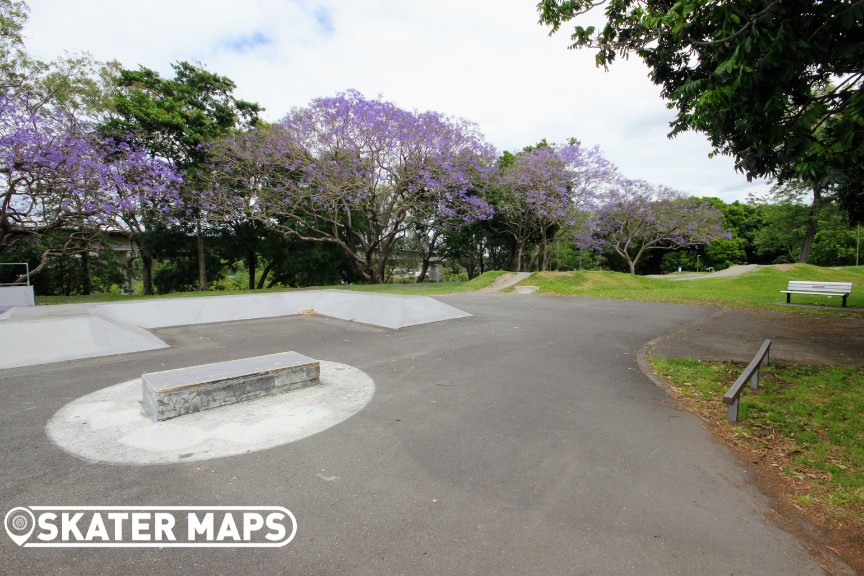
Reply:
x=648, y=347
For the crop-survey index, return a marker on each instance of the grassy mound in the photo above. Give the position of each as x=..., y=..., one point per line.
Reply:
x=485, y=280
x=759, y=289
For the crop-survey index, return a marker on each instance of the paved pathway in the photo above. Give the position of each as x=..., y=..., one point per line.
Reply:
x=521, y=440
x=505, y=281
x=725, y=273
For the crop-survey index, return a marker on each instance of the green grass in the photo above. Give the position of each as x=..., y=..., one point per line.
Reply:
x=759, y=289
x=429, y=288
x=813, y=413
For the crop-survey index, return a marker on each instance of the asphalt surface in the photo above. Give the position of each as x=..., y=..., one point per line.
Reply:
x=736, y=335
x=522, y=440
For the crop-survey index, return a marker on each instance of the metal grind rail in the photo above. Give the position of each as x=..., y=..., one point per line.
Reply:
x=750, y=373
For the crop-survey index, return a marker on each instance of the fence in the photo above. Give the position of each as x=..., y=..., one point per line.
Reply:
x=26, y=274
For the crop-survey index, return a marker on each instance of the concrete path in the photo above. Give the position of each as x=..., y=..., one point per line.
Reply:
x=505, y=281
x=521, y=440
x=725, y=273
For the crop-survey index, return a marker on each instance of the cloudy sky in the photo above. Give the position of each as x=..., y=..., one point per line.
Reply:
x=484, y=60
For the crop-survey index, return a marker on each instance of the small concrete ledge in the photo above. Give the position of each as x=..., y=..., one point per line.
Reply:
x=526, y=289
x=183, y=391
x=17, y=296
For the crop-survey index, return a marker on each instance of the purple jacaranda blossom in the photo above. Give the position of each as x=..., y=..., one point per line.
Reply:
x=356, y=173
x=634, y=216
x=58, y=174
x=544, y=189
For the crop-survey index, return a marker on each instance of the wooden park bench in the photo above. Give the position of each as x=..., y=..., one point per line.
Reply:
x=818, y=289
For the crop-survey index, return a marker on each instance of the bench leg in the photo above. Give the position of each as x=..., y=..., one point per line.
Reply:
x=788, y=298
x=844, y=300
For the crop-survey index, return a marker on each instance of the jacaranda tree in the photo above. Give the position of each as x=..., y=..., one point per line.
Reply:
x=634, y=217
x=542, y=188
x=356, y=173
x=60, y=178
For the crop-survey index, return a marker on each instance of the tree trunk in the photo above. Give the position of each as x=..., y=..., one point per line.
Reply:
x=516, y=263
x=251, y=266
x=265, y=273
x=202, y=264
x=146, y=269
x=543, y=249
x=811, y=226
x=376, y=273
x=426, y=258
x=535, y=256
x=423, y=270
x=276, y=279
x=86, y=287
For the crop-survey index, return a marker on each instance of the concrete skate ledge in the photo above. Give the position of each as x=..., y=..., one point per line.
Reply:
x=176, y=392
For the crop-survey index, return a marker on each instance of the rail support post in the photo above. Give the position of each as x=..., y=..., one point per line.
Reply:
x=733, y=411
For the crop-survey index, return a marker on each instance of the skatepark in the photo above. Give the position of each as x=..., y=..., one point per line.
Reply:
x=465, y=434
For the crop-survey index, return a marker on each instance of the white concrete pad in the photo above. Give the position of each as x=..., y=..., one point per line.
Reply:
x=110, y=425
x=45, y=334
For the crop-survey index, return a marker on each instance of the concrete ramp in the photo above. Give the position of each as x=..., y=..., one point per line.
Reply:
x=162, y=313
x=43, y=339
x=45, y=334
x=386, y=310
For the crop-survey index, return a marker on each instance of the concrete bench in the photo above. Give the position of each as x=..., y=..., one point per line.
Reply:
x=183, y=391
x=818, y=289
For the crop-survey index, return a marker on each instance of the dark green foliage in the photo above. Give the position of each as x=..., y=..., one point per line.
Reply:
x=768, y=231
x=834, y=248
x=777, y=85
x=299, y=263
x=683, y=260
x=725, y=252
x=564, y=255
x=64, y=275
x=177, y=268
x=178, y=119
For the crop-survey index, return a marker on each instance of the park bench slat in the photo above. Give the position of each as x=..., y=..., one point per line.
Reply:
x=816, y=288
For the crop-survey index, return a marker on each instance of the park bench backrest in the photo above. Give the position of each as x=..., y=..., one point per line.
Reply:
x=833, y=287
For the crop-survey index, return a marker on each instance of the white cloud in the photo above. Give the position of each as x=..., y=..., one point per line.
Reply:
x=485, y=60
